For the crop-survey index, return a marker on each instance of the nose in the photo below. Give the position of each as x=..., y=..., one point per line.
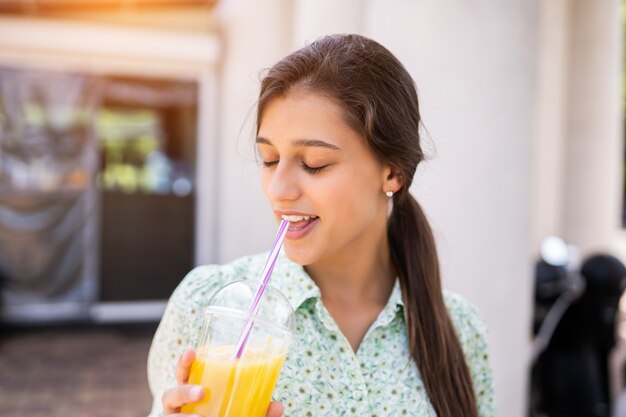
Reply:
x=283, y=184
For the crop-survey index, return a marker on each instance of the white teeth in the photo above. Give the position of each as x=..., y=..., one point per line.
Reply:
x=297, y=218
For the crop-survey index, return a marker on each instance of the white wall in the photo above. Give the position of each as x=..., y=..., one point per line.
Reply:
x=474, y=65
x=315, y=18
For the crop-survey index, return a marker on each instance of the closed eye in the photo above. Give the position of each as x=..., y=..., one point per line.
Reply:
x=313, y=170
x=308, y=169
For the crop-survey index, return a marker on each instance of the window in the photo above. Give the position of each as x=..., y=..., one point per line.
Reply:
x=97, y=187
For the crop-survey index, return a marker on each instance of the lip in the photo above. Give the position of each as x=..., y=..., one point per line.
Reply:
x=280, y=213
x=295, y=234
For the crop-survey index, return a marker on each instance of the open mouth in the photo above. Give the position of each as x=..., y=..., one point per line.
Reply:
x=299, y=222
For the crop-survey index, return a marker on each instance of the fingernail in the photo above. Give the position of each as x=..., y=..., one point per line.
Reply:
x=197, y=393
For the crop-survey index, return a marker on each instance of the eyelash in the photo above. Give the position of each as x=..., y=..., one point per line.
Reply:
x=310, y=170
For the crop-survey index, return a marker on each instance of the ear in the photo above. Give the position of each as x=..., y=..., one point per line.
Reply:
x=392, y=179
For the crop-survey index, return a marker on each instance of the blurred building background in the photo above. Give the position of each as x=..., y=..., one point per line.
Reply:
x=126, y=151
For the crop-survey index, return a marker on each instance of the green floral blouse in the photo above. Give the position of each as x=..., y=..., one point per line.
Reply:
x=322, y=375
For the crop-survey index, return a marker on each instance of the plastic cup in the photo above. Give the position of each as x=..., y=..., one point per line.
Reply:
x=241, y=387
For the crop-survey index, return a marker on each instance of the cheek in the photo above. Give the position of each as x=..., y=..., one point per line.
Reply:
x=351, y=197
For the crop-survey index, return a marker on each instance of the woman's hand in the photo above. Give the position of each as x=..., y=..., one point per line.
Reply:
x=184, y=393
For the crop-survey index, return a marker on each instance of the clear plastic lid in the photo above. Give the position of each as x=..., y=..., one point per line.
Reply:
x=237, y=296
x=234, y=300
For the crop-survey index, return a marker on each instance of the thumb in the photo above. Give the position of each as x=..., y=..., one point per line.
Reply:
x=275, y=409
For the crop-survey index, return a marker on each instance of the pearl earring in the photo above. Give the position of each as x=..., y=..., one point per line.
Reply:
x=389, y=193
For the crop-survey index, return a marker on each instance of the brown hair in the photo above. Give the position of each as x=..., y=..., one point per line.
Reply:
x=379, y=99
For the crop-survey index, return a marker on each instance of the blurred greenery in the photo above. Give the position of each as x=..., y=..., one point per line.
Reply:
x=127, y=138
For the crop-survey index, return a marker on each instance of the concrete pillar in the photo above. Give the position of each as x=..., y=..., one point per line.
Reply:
x=548, y=146
x=593, y=186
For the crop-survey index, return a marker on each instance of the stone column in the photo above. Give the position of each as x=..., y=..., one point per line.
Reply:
x=594, y=181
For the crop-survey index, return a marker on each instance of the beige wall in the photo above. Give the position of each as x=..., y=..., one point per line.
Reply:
x=593, y=196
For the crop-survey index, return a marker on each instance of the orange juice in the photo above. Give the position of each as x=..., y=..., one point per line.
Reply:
x=234, y=388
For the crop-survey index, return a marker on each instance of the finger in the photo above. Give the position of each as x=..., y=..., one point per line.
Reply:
x=184, y=365
x=275, y=409
x=180, y=395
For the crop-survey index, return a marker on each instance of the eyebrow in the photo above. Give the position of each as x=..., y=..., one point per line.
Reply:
x=301, y=142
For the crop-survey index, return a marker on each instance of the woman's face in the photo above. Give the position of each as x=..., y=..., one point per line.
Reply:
x=320, y=174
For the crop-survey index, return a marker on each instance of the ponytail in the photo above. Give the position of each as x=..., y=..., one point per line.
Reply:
x=432, y=339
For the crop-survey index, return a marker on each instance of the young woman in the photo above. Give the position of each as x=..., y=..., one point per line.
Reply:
x=337, y=132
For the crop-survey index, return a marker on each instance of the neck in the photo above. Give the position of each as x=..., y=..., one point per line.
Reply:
x=361, y=275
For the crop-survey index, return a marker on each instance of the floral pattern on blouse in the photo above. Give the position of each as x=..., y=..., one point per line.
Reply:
x=322, y=375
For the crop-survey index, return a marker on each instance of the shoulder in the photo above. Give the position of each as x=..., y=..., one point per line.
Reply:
x=203, y=281
x=462, y=312
x=468, y=322
x=472, y=333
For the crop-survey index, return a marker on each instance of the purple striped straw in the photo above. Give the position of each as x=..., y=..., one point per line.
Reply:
x=267, y=273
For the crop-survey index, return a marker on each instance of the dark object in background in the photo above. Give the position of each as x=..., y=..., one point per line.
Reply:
x=3, y=279
x=147, y=244
x=571, y=376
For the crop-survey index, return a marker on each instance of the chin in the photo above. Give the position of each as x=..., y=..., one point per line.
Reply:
x=300, y=256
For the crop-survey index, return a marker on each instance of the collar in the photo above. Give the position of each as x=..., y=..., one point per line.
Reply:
x=394, y=306
x=293, y=281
